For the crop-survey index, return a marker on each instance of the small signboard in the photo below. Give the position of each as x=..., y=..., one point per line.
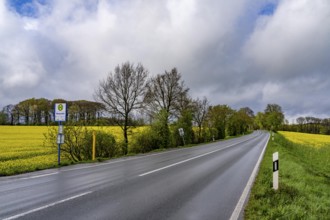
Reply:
x=60, y=139
x=181, y=132
x=60, y=112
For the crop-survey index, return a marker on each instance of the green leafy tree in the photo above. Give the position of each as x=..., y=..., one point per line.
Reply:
x=274, y=117
x=260, y=121
x=160, y=126
x=24, y=109
x=184, y=122
x=240, y=121
x=3, y=118
x=218, y=117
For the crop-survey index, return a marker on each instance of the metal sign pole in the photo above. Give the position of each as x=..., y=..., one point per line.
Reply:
x=60, y=116
x=59, y=143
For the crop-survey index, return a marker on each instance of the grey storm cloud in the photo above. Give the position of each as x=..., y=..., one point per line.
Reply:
x=232, y=51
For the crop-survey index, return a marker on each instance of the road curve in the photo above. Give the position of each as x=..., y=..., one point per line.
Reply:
x=204, y=182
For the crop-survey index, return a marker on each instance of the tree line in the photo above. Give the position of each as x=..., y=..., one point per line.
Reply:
x=310, y=125
x=165, y=99
x=129, y=96
x=41, y=112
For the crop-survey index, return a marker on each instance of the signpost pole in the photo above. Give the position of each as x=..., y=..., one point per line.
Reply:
x=59, y=143
x=60, y=116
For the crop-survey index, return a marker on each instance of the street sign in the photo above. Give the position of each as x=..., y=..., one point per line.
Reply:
x=60, y=139
x=60, y=112
x=60, y=129
x=181, y=132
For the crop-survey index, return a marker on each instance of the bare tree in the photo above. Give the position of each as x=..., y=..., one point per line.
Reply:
x=301, y=121
x=184, y=103
x=165, y=92
x=122, y=92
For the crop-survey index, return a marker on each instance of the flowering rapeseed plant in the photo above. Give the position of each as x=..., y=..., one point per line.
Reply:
x=312, y=140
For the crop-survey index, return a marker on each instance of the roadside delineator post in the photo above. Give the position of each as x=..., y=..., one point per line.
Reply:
x=275, y=170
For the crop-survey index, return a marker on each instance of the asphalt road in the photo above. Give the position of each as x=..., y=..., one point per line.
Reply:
x=204, y=182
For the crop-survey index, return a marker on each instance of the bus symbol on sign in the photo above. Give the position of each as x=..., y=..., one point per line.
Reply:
x=60, y=107
x=60, y=112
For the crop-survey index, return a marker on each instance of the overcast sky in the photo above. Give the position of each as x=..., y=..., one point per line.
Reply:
x=235, y=52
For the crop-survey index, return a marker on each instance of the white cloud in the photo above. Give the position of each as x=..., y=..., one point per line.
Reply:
x=20, y=67
x=225, y=50
x=289, y=52
x=294, y=41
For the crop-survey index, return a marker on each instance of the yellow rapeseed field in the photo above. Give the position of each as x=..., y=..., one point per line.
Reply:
x=312, y=140
x=118, y=132
x=22, y=148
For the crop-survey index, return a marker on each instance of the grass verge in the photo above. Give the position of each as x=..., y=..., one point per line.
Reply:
x=304, y=183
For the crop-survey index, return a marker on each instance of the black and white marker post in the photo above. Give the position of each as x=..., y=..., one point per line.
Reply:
x=60, y=116
x=275, y=170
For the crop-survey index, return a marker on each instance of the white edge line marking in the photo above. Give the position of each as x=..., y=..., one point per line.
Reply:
x=132, y=158
x=46, y=206
x=119, y=161
x=33, y=177
x=237, y=211
x=183, y=161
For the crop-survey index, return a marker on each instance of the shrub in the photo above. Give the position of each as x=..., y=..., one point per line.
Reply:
x=145, y=141
x=209, y=134
x=184, y=122
x=161, y=130
x=78, y=143
x=105, y=146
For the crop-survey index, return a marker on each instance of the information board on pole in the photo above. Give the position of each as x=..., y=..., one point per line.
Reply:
x=60, y=112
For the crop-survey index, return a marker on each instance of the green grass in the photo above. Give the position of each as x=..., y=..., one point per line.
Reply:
x=304, y=183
